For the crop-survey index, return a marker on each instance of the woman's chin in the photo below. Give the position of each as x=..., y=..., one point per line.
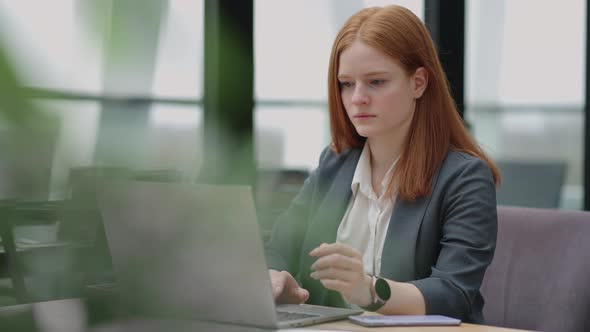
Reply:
x=364, y=132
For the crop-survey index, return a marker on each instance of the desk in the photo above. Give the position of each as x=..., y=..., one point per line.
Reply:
x=464, y=327
x=68, y=315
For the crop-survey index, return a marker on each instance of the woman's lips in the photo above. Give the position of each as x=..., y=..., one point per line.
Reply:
x=364, y=116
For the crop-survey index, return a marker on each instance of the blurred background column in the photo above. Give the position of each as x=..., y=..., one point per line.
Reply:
x=129, y=65
x=228, y=92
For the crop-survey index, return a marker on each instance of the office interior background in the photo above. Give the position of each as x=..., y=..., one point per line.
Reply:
x=524, y=80
x=127, y=85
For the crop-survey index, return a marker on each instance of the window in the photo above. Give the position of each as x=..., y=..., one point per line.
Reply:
x=293, y=40
x=525, y=83
x=75, y=51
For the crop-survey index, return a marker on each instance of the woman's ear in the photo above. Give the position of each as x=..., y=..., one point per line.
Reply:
x=420, y=82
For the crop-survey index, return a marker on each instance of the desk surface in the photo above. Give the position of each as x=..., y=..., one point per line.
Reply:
x=347, y=326
x=66, y=313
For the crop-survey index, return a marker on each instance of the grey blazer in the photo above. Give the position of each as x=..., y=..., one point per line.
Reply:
x=441, y=243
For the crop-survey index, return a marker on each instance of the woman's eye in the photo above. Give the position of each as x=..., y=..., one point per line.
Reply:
x=345, y=84
x=377, y=82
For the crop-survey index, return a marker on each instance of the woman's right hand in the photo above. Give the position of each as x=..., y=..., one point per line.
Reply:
x=285, y=289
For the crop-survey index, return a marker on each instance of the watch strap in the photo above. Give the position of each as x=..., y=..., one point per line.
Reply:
x=376, y=302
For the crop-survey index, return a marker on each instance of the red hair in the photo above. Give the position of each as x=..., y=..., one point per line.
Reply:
x=436, y=126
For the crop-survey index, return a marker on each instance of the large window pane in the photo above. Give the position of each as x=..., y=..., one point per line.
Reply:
x=525, y=83
x=150, y=136
x=539, y=136
x=179, y=64
x=175, y=138
x=515, y=57
x=290, y=136
x=76, y=141
x=55, y=44
x=293, y=40
x=60, y=44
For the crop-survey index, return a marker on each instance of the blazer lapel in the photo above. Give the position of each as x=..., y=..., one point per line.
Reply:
x=324, y=226
x=397, y=260
x=399, y=250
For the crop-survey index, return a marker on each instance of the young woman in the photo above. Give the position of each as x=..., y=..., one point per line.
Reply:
x=400, y=215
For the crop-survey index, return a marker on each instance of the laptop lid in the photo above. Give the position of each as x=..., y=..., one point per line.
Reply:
x=188, y=251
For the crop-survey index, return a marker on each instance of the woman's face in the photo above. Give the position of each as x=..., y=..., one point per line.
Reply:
x=378, y=95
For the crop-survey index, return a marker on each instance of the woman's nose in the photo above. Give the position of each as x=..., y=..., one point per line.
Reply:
x=359, y=96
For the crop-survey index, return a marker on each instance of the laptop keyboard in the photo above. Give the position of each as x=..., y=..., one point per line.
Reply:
x=287, y=316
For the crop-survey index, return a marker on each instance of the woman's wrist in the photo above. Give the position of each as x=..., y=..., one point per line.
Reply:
x=365, y=293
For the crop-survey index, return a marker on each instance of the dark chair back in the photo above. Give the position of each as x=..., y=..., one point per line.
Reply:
x=16, y=262
x=81, y=220
x=274, y=191
x=540, y=276
x=26, y=162
x=531, y=183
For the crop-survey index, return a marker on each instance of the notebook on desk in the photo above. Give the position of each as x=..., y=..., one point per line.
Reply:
x=195, y=252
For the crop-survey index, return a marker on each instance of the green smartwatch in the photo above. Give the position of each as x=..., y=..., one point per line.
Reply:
x=381, y=295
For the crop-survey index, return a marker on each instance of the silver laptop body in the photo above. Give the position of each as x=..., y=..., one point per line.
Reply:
x=194, y=252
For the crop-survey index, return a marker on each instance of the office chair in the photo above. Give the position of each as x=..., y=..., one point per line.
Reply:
x=81, y=220
x=25, y=171
x=540, y=276
x=19, y=259
x=79, y=256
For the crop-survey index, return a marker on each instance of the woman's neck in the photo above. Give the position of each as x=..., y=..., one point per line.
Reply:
x=384, y=153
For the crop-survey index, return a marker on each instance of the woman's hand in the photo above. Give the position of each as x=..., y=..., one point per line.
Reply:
x=339, y=267
x=285, y=288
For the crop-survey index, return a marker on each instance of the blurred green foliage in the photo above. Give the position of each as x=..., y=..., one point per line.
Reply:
x=28, y=124
x=16, y=108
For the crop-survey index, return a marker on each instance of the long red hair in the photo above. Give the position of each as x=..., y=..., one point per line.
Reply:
x=436, y=126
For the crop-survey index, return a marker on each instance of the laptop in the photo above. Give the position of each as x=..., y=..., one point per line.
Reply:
x=194, y=252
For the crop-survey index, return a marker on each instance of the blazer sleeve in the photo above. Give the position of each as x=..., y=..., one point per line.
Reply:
x=469, y=231
x=283, y=249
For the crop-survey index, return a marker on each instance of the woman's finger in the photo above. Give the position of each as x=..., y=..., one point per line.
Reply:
x=335, y=248
x=337, y=261
x=336, y=285
x=335, y=274
x=278, y=286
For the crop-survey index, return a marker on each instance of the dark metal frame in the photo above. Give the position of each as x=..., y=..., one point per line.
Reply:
x=447, y=28
x=587, y=116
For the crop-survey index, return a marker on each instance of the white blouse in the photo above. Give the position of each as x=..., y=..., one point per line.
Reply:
x=365, y=222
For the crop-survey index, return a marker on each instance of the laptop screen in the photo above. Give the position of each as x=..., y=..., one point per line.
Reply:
x=188, y=251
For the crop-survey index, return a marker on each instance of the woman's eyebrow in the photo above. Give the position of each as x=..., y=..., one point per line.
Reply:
x=371, y=73
x=375, y=73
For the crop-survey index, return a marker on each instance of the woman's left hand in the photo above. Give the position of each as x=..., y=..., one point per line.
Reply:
x=339, y=267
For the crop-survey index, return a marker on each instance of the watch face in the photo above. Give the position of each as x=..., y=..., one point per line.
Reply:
x=382, y=289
